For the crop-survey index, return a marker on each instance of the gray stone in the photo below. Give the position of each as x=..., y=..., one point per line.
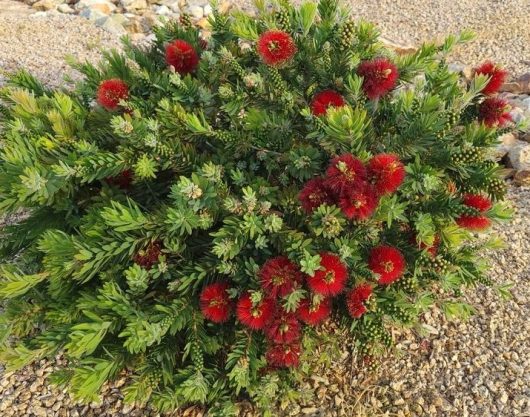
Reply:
x=64, y=8
x=104, y=6
x=132, y=5
x=45, y=5
x=92, y=14
x=162, y=10
x=174, y=5
x=112, y=24
x=526, y=104
x=196, y=11
x=519, y=156
x=504, y=144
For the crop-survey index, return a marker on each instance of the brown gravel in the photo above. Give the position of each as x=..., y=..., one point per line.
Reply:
x=40, y=43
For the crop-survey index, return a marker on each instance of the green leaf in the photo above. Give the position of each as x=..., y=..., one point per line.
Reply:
x=14, y=283
x=86, y=337
x=307, y=13
x=310, y=263
x=504, y=290
x=457, y=310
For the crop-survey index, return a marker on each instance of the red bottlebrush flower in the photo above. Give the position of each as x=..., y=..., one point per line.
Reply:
x=388, y=262
x=215, y=303
x=279, y=276
x=478, y=202
x=387, y=172
x=314, y=194
x=331, y=278
x=497, y=77
x=379, y=77
x=475, y=221
x=356, y=298
x=110, y=92
x=284, y=328
x=494, y=112
x=276, y=47
x=345, y=171
x=146, y=258
x=256, y=316
x=358, y=203
x=281, y=356
x=314, y=311
x=324, y=100
x=123, y=180
x=182, y=56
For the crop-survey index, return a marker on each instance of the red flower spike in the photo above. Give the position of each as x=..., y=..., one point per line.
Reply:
x=324, y=100
x=283, y=356
x=215, y=303
x=314, y=194
x=331, y=278
x=494, y=112
x=379, y=77
x=388, y=262
x=356, y=298
x=255, y=316
x=148, y=257
x=182, y=56
x=478, y=202
x=359, y=203
x=473, y=222
x=284, y=328
x=314, y=312
x=497, y=77
x=477, y=221
x=276, y=47
x=279, y=276
x=110, y=92
x=387, y=172
x=345, y=171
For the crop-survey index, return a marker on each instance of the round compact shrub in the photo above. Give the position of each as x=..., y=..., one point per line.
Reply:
x=197, y=213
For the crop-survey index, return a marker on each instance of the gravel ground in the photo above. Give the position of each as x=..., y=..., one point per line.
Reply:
x=40, y=43
x=478, y=368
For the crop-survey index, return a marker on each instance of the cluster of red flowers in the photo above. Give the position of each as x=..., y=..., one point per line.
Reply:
x=493, y=111
x=496, y=75
x=279, y=277
x=356, y=299
x=182, y=56
x=146, y=258
x=379, y=77
x=352, y=186
x=388, y=263
x=325, y=99
x=110, y=92
x=477, y=221
x=276, y=47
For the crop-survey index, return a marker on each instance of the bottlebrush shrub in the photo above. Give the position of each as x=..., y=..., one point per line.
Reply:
x=192, y=211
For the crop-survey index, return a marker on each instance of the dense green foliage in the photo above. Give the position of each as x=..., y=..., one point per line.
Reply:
x=218, y=158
